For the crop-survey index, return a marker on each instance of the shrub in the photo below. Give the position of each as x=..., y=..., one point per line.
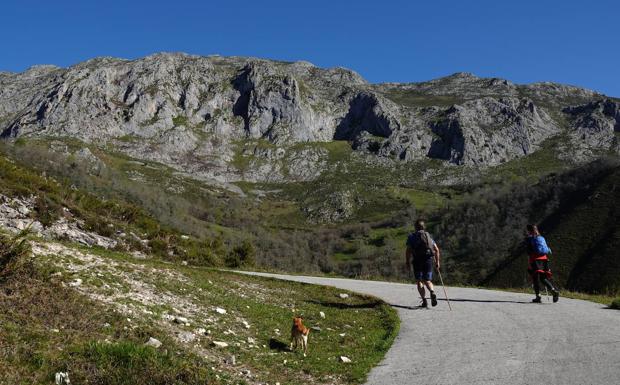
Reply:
x=202, y=253
x=242, y=255
x=47, y=209
x=14, y=252
x=615, y=304
x=159, y=246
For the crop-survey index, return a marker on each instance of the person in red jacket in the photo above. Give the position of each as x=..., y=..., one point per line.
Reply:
x=538, y=252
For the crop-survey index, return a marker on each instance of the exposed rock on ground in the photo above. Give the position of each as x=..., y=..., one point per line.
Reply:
x=174, y=304
x=15, y=216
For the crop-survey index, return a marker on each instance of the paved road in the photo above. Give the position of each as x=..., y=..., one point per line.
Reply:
x=492, y=337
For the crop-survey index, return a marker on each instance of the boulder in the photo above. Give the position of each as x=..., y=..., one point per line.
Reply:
x=186, y=337
x=181, y=320
x=153, y=342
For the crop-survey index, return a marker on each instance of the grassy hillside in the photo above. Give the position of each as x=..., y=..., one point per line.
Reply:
x=280, y=220
x=352, y=220
x=110, y=216
x=48, y=327
x=94, y=309
x=90, y=312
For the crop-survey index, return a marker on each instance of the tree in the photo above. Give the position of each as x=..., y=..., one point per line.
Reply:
x=242, y=255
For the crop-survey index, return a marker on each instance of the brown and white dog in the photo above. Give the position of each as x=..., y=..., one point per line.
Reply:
x=299, y=335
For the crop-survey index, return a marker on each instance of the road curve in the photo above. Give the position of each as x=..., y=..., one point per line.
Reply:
x=491, y=337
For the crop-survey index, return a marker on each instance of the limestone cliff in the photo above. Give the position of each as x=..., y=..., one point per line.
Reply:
x=198, y=114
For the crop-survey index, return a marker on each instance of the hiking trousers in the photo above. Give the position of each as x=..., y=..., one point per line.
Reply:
x=538, y=278
x=540, y=273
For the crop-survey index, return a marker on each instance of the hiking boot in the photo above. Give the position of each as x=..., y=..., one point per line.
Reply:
x=556, y=296
x=537, y=299
x=424, y=303
x=433, y=299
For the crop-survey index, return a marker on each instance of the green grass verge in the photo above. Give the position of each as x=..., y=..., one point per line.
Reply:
x=598, y=298
x=359, y=327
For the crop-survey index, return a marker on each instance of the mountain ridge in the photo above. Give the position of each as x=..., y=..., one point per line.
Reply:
x=304, y=62
x=192, y=112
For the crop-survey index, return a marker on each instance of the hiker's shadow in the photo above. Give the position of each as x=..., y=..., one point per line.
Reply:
x=407, y=307
x=459, y=300
x=483, y=300
x=278, y=345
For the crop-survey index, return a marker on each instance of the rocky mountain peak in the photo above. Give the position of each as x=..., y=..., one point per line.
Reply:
x=462, y=75
x=41, y=68
x=190, y=112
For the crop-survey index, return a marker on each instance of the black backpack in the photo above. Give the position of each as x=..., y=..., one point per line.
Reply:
x=424, y=247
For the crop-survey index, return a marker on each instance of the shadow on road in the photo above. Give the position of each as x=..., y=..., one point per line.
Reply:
x=407, y=307
x=458, y=300
x=480, y=300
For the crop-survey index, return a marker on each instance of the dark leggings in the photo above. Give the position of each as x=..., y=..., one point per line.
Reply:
x=537, y=278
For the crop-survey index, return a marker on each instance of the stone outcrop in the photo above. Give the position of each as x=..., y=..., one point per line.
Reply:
x=336, y=207
x=490, y=131
x=595, y=122
x=367, y=114
x=15, y=216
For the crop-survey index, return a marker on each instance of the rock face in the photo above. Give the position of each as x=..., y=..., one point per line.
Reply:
x=596, y=122
x=272, y=106
x=490, y=131
x=198, y=114
x=367, y=114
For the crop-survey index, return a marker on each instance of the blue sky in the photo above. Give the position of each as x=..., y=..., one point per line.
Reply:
x=573, y=42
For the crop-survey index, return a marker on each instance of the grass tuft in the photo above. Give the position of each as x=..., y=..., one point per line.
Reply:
x=14, y=253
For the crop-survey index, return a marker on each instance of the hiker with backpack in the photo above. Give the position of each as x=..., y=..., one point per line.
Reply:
x=539, y=270
x=421, y=252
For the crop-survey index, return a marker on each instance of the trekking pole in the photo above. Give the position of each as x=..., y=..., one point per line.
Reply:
x=547, y=294
x=442, y=285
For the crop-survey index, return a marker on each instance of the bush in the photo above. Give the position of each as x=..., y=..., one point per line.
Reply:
x=202, y=253
x=242, y=255
x=615, y=304
x=159, y=246
x=48, y=211
x=14, y=252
